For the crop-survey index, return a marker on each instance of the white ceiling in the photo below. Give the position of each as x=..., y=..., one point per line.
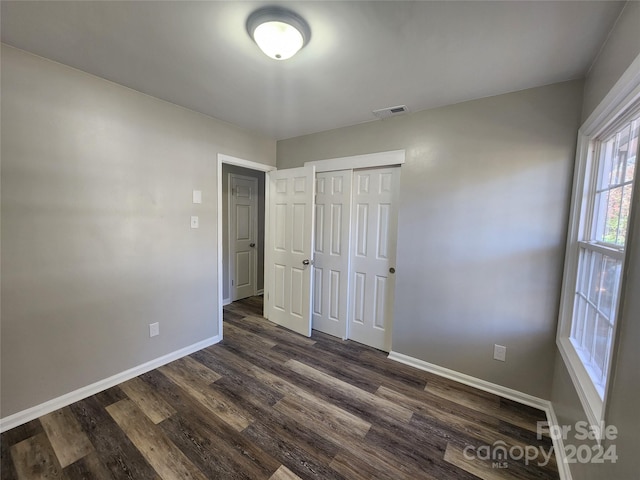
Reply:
x=362, y=55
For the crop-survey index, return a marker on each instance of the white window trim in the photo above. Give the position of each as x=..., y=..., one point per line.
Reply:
x=624, y=93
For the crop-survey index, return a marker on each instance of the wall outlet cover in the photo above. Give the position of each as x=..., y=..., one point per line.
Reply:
x=195, y=222
x=154, y=329
x=500, y=353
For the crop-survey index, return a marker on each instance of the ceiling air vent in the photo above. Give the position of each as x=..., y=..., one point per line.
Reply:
x=390, y=111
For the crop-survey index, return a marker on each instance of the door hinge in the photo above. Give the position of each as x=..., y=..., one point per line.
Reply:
x=233, y=283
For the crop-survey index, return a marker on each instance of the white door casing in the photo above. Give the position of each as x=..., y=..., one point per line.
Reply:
x=291, y=212
x=331, y=252
x=373, y=255
x=243, y=226
x=260, y=167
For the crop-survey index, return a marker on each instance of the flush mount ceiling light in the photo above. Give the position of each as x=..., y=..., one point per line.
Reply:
x=279, y=32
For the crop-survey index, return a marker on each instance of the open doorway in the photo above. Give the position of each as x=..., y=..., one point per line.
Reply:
x=243, y=220
x=227, y=166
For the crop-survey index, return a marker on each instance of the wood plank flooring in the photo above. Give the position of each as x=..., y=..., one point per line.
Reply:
x=266, y=403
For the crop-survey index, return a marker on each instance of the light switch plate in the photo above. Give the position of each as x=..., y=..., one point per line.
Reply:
x=197, y=196
x=195, y=223
x=500, y=353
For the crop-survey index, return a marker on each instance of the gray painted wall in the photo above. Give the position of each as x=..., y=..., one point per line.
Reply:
x=483, y=209
x=96, y=240
x=260, y=176
x=621, y=49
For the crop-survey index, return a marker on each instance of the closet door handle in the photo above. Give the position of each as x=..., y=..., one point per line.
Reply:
x=252, y=245
x=306, y=262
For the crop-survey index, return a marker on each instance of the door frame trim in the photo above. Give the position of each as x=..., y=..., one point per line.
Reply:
x=368, y=160
x=378, y=159
x=386, y=159
x=222, y=158
x=254, y=221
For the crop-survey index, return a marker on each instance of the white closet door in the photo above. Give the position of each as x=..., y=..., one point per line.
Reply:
x=331, y=252
x=373, y=255
x=290, y=247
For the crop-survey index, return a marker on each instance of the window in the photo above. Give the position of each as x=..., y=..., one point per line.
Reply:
x=601, y=246
x=599, y=226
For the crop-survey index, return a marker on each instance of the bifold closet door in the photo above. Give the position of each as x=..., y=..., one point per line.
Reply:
x=373, y=255
x=331, y=252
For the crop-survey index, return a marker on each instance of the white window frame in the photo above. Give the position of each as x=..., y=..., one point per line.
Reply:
x=624, y=94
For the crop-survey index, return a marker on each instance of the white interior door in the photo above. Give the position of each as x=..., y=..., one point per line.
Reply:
x=331, y=252
x=373, y=248
x=291, y=211
x=243, y=225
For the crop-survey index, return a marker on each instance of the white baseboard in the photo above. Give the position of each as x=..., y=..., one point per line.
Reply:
x=49, y=406
x=478, y=383
x=558, y=445
x=545, y=405
x=226, y=301
x=260, y=292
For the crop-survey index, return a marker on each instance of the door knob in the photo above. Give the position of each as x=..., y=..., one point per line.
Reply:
x=252, y=245
x=306, y=262
x=392, y=270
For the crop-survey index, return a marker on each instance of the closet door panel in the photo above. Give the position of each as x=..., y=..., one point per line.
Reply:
x=375, y=207
x=331, y=254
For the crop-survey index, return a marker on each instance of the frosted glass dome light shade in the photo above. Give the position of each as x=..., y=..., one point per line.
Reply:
x=279, y=32
x=278, y=40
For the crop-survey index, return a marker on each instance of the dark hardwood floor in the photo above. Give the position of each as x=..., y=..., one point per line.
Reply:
x=266, y=403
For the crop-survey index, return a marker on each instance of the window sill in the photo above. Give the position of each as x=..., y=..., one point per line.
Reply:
x=589, y=397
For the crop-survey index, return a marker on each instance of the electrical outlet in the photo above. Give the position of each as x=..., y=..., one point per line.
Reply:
x=500, y=353
x=154, y=329
x=195, y=222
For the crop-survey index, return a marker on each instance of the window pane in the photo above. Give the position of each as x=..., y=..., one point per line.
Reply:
x=606, y=158
x=603, y=337
x=589, y=332
x=601, y=203
x=610, y=274
x=612, y=202
x=609, y=215
x=633, y=151
x=577, y=327
x=625, y=208
x=584, y=271
x=619, y=160
x=596, y=273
